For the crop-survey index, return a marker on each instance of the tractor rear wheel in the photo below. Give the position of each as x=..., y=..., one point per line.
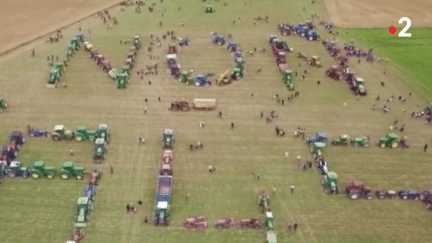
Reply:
x=64, y=176
x=395, y=144
x=354, y=196
x=55, y=137
x=382, y=145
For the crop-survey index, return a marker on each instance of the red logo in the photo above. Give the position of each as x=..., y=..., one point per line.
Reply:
x=392, y=29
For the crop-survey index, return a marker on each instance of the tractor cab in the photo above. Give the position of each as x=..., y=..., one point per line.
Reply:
x=318, y=137
x=122, y=80
x=329, y=182
x=359, y=83
x=172, y=49
x=183, y=41
x=232, y=46
x=137, y=39
x=268, y=222
x=390, y=140
x=84, y=207
x=168, y=137
x=54, y=75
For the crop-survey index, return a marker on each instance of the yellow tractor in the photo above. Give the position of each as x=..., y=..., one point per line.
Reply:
x=224, y=78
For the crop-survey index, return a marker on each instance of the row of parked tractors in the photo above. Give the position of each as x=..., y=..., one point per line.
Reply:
x=121, y=76
x=237, y=70
x=163, y=189
x=342, y=71
x=278, y=48
x=304, y=29
x=84, y=207
x=264, y=203
x=59, y=68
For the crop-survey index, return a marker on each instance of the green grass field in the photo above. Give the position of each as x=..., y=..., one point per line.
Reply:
x=43, y=210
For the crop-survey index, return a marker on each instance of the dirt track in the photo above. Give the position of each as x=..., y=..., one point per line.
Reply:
x=381, y=13
x=24, y=20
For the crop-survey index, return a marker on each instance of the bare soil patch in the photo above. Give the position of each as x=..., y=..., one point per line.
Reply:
x=382, y=13
x=23, y=20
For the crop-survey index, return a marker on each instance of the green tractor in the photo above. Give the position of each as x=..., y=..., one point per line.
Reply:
x=3, y=104
x=358, y=86
x=137, y=40
x=60, y=133
x=60, y=67
x=208, y=9
x=113, y=73
x=122, y=79
x=269, y=225
x=329, y=182
x=15, y=169
x=99, y=150
x=264, y=202
x=316, y=149
x=70, y=50
x=287, y=79
x=53, y=78
x=103, y=132
x=68, y=169
x=390, y=140
x=84, y=208
x=341, y=140
x=75, y=43
x=39, y=169
x=185, y=77
x=82, y=133
x=362, y=141
x=126, y=69
x=168, y=138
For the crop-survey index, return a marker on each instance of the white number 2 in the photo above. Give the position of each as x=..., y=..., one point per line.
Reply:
x=403, y=31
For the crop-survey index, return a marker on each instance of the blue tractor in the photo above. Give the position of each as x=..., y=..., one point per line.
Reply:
x=312, y=35
x=89, y=191
x=218, y=39
x=37, y=132
x=302, y=28
x=232, y=46
x=318, y=137
x=184, y=41
x=202, y=80
x=408, y=194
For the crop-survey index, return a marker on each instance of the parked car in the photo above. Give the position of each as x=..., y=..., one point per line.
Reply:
x=408, y=194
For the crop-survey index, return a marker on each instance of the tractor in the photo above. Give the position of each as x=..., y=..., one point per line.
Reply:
x=316, y=149
x=76, y=235
x=179, y=105
x=358, y=86
x=202, y=80
x=106, y=66
x=208, y=9
x=15, y=169
x=312, y=35
x=94, y=177
x=83, y=209
x=225, y=223
x=314, y=61
x=232, y=46
x=168, y=138
x=99, y=150
x=408, y=194
x=126, y=69
x=113, y=73
x=318, y=137
x=356, y=189
x=197, y=223
x=428, y=109
x=103, y=132
x=390, y=140
x=224, y=78
x=39, y=169
x=362, y=141
x=167, y=156
x=287, y=79
x=185, y=77
x=218, y=39
x=53, y=78
x=264, y=202
x=69, y=170
x=18, y=137
x=60, y=133
x=341, y=140
x=269, y=225
x=237, y=71
x=383, y=194
x=82, y=133
x=321, y=165
x=122, y=80
x=87, y=46
x=334, y=72
x=183, y=42
x=137, y=40
x=9, y=151
x=165, y=169
x=60, y=67
x=329, y=182
x=3, y=104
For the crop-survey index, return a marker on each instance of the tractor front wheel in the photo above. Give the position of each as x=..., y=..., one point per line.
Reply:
x=79, y=177
x=50, y=176
x=35, y=176
x=395, y=145
x=55, y=137
x=79, y=138
x=65, y=176
x=382, y=145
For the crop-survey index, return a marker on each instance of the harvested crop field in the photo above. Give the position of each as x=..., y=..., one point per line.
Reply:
x=23, y=20
x=383, y=13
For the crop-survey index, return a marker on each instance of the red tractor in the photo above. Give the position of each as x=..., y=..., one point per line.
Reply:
x=197, y=223
x=106, y=66
x=356, y=189
x=250, y=223
x=77, y=234
x=172, y=49
x=227, y=223
x=94, y=177
x=334, y=72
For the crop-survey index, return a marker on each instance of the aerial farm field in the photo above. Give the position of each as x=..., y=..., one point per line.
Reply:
x=43, y=210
